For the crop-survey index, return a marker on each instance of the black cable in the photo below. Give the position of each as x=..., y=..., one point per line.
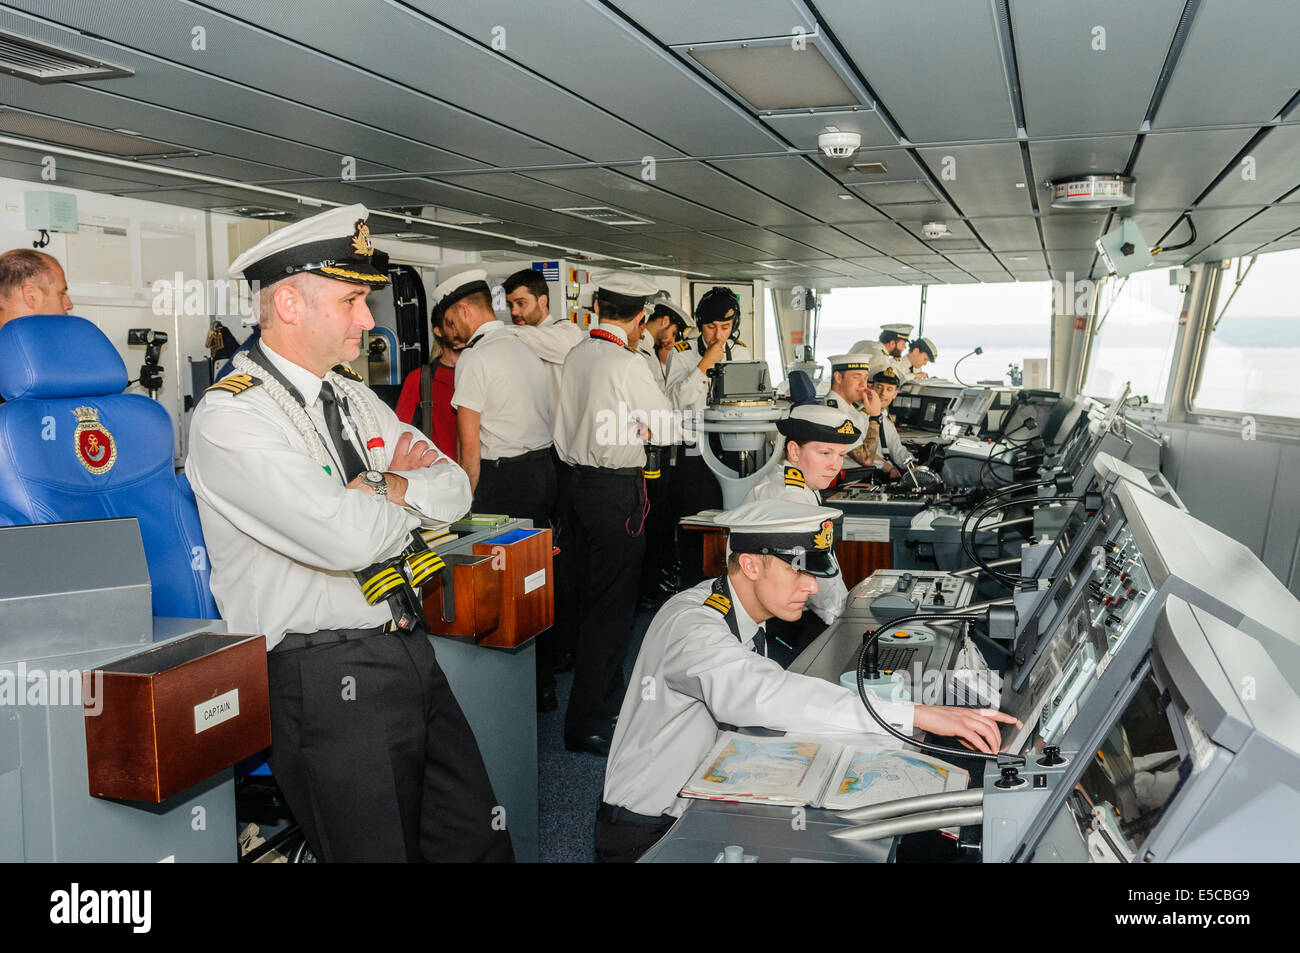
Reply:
x=1014, y=580
x=966, y=549
x=863, y=694
x=1191, y=241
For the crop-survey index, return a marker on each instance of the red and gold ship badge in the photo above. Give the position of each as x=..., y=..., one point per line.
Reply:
x=95, y=446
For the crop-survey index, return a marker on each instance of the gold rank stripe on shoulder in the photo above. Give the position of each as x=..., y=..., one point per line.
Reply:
x=719, y=602
x=345, y=371
x=236, y=383
x=682, y=345
x=794, y=477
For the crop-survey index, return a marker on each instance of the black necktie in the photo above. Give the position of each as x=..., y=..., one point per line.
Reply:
x=350, y=460
x=760, y=642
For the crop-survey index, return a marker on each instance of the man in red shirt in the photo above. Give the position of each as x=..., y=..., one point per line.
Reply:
x=439, y=419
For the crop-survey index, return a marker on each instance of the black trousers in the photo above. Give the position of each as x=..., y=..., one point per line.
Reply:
x=622, y=837
x=660, y=528
x=604, y=527
x=375, y=757
x=565, y=633
x=524, y=487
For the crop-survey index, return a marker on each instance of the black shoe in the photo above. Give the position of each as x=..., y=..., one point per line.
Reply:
x=591, y=744
x=546, y=700
x=563, y=663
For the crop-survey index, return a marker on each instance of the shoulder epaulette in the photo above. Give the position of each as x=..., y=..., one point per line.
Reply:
x=719, y=602
x=830, y=402
x=794, y=477
x=236, y=383
x=682, y=345
x=347, y=372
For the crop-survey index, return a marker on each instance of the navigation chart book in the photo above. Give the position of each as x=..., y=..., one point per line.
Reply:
x=819, y=773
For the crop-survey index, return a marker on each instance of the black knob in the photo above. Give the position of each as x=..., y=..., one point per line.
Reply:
x=1010, y=777
x=1051, y=756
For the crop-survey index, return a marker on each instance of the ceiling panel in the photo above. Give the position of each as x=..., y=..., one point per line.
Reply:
x=1268, y=225
x=982, y=179
x=1068, y=86
x=887, y=237
x=1002, y=234
x=1275, y=171
x=1210, y=225
x=802, y=129
x=776, y=246
x=684, y=112
x=825, y=239
x=398, y=44
x=939, y=75
x=633, y=195
x=1072, y=228
x=1070, y=263
x=1232, y=68
x=688, y=21
x=264, y=67
x=970, y=261
x=1173, y=168
x=801, y=183
x=1063, y=158
x=1022, y=261
x=713, y=188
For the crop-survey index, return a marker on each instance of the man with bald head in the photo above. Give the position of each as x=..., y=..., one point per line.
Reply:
x=31, y=282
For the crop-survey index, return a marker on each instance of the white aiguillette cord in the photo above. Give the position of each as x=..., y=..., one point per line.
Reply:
x=297, y=414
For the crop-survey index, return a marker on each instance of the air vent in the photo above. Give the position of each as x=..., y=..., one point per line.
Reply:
x=870, y=168
x=253, y=211
x=58, y=132
x=41, y=63
x=775, y=74
x=604, y=214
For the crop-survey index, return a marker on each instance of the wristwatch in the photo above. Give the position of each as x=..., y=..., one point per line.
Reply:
x=376, y=481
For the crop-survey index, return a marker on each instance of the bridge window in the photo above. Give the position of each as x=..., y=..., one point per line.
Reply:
x=1253, y=357
x=1137, y=324
x=1010, y=321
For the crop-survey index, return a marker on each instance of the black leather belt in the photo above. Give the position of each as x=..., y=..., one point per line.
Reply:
x=621, y=815
x=607, y=471
x=300, y=640
x=521, y=458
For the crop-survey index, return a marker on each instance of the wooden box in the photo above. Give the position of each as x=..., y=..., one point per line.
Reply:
x=469, y=591
x=165, y=719
x=523, y=559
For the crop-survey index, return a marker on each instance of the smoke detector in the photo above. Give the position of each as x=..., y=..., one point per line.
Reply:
x=933, y=230
x=838, y=145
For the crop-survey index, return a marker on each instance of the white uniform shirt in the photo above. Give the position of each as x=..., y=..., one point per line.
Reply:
x=501, y=378
x=880, y=360
x=687, y=386
x=658, y=368
x=786, y=482
x=860, y=420
x=551, y=340
x=606, y=391
x=692, y=674
x=892, y=444
x=284, y=537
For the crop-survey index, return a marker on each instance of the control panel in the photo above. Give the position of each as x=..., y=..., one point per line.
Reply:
x=1119, y=587
x=922, y=589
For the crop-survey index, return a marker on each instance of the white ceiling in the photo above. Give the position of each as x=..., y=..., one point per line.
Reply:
x=511, y=109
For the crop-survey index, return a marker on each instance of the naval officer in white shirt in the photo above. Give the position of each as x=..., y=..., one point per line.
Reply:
x=311, y=493
x=703, y=664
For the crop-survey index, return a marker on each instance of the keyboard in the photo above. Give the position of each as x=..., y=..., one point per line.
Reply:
x=896, y=658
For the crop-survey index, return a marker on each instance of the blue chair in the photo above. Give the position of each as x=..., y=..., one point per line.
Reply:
x=74, y=447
